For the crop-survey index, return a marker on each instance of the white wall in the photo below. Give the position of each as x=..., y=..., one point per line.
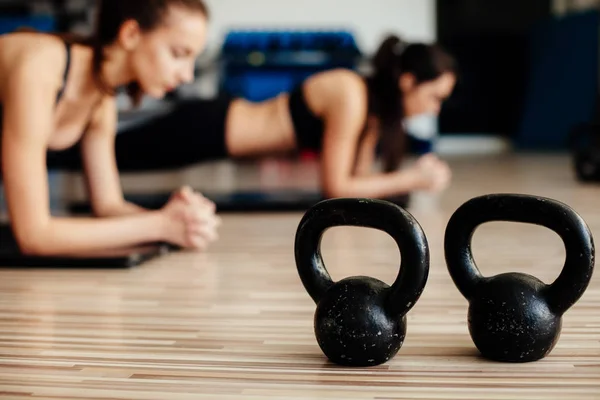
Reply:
x=370, y=20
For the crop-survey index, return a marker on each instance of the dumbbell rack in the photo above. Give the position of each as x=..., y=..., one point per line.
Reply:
x=259, y=64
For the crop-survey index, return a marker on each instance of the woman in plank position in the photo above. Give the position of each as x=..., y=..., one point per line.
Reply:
x=339, y=113
x=55, y=92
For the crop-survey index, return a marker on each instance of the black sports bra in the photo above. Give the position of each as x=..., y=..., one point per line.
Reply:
x=66, y=73
x=308, y=127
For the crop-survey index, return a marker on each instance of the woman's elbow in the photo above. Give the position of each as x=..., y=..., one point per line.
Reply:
x=31, y=243
x=30, y=247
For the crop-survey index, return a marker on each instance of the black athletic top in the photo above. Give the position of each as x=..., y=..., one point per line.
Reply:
x=308, y=127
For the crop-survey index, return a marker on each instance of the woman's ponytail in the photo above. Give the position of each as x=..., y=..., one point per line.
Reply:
x=387, y=57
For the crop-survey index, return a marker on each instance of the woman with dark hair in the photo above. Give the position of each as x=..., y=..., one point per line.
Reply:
x=339, y=113
x=57, y=91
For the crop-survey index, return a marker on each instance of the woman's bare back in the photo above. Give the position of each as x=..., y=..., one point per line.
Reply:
x=267, y=127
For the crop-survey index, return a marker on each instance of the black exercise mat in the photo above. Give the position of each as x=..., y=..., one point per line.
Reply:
x=12, y=257
x=283, y=200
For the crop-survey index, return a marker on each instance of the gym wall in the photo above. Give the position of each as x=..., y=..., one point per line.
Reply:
x=369, y=20
x=529, y=69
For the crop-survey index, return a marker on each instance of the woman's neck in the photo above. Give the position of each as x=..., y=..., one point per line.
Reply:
x=114, y=72
x=115, y=69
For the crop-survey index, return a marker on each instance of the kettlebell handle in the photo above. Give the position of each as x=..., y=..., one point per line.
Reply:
x=371, y=213
x=576, y=273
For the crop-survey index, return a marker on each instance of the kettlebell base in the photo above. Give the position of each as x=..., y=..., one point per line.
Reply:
x=359, y=363
x=516, y=358
x=352, y=324
x=510, y=320
x=512, y=360
x=519, y=351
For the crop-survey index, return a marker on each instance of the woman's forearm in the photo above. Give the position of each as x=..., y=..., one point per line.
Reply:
x=76, y=236
x=376, y=185
x=119, y=210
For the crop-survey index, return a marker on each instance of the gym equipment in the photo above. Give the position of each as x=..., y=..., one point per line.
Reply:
x=258, y=65
x=361, y=321
x=12, y=257
x=584, y=142
x=282, y=200
x=515, y=317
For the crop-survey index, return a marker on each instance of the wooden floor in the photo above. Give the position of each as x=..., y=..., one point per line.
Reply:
x=236, y=323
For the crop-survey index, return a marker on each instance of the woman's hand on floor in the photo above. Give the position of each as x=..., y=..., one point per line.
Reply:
x=190, y=220
x=432, y=174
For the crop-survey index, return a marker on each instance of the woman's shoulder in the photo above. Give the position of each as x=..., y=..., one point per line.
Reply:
x=340, y=78
x=39, y=55
x=336, y=87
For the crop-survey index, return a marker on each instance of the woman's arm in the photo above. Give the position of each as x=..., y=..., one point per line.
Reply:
x=100, y=167
x=104, y=186
x=366, y=152
x=28, y=121
x=337, y=180
x=343, y=124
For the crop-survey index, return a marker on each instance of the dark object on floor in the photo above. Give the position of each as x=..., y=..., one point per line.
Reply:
x=584, y=142
x=361, y=321
x=281, y=200
x=12, y=257
x=515, y=317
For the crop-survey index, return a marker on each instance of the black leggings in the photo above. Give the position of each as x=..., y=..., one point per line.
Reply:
x=192, y=132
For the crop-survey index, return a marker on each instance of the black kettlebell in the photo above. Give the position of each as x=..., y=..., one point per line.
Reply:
x=515, y=317
x=361, y=321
